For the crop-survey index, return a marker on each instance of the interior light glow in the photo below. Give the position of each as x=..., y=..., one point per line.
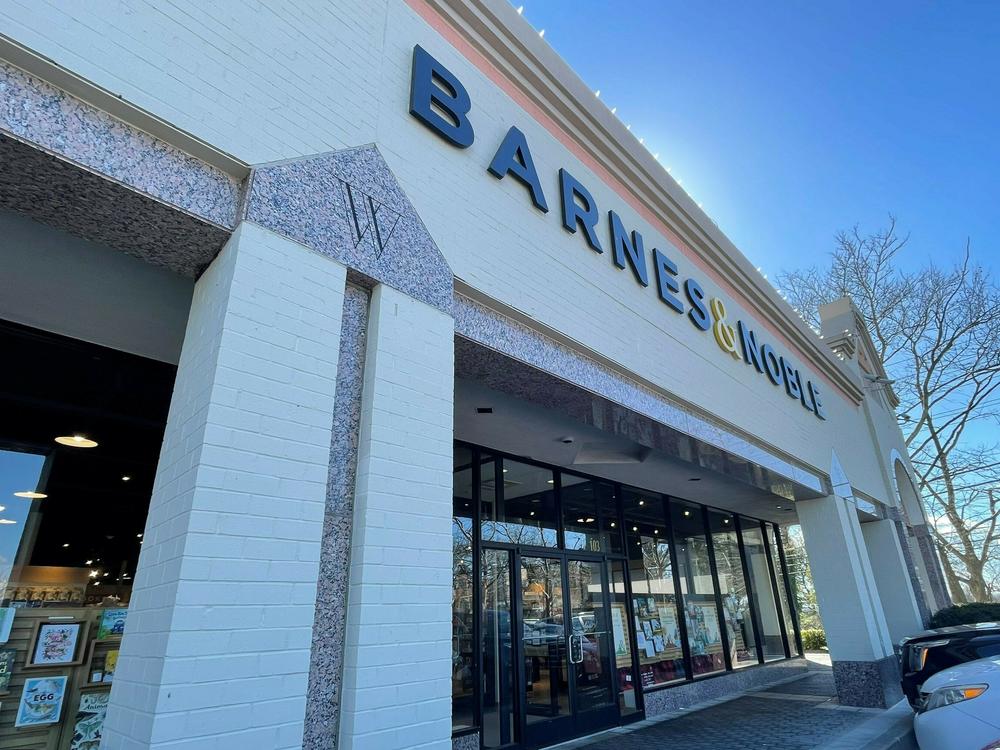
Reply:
x=580, y=520
x=66, y=545
x=126, y=478
x=687, y=513
x=590, y=520
x=89, y=562
x=76, y=441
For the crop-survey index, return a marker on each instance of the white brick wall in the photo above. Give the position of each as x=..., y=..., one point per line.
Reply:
x=220, y=624
x=397, y=678
x=269, y=81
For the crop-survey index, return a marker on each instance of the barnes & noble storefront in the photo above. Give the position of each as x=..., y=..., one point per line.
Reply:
x=575, y=597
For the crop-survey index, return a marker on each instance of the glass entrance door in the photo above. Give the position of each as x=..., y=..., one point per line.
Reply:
x=567, y=686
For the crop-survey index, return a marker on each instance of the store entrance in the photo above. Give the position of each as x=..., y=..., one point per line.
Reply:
x=566, y=673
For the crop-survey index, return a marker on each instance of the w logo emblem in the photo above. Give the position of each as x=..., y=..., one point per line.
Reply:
x=369, y=218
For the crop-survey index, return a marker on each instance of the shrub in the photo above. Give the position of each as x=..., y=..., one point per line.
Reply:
x=966, y=614
x=813, y=639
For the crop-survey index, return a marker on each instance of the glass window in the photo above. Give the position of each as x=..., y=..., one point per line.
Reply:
x=625, y=677
x=498, y=665
x=654, y=600
x=701, y=614
x=546, y=688
x=733, y=587
x=780, y=574
x=590, y=515
x=763, y=592
x=524, y=510
x=462, y=613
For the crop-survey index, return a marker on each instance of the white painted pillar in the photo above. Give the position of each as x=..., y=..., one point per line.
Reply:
x=849, y=604
x=895, y=588
x=216, y=649
x=397, y=671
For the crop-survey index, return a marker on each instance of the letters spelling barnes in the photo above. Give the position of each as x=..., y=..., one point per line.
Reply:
x=440, y=101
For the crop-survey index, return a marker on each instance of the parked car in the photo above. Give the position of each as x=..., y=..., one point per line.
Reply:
x=929, y=652
x=960, y=708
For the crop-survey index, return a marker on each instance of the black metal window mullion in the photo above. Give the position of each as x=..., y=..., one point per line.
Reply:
x=477, y=594
x=792, y=608
x=720, y=610
x=679, y=603
x=630, y=630
x=557, y=502
x=774, y=589
x=751, y=599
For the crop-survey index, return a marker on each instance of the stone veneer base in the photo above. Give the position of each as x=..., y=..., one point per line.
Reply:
x=868, y=684
x=689, y=694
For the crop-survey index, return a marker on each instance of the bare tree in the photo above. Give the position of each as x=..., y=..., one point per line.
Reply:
x=936, y=333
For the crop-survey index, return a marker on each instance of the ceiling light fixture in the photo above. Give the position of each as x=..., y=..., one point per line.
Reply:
x=580, y=520
x=687, y=513
x=590, y=520
x=31, y=495
x=89, y=562
x=76, y=441
x=126, y=478
x=642, y=502
x=66, y=545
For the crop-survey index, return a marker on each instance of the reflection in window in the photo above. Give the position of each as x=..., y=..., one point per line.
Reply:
x=763, y=592
x=498, y=665
x=780, y=573
x=462, y=613
x=701, y=615
x=654, y=600
x=523, y=511
x=732, y=585
x=620, y=639
x=19, y=473
x=589, y=515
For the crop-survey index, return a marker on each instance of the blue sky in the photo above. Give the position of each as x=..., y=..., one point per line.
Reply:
x=791, y=121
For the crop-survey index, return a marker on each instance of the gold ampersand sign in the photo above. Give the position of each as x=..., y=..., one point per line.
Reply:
x=725, y=334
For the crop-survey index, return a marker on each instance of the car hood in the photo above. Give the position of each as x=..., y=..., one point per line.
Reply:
x=977, y=629
x=981, y=671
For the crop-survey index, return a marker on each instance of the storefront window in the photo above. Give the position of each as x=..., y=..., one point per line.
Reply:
x=781, y=574
x=627, y=702
x=763, y=592
x=701, y=614
x=590, y=515
x=462, y=611
x=654, y=599
x=523, y=511
x=497, y=654
x=732, y=585
x=78, y=458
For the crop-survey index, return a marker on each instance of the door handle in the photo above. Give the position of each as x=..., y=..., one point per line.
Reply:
x=575, y=649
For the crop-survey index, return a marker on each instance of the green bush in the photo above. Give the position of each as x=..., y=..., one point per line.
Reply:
x=966, y=614
x=813, y=639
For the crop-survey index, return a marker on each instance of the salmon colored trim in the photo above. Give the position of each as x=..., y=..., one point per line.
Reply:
x=455, y=38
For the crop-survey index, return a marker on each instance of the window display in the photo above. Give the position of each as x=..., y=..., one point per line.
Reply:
x=654, y=600
x=763, y=589
x=701, y=613
x=78, y=458
x=732, y=585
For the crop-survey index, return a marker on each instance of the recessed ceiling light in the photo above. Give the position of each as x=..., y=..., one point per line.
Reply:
x=550, y=481
x=139, y=536
x=6, y=521
x=580, y=520
x=778, y=507
x=687, y=513
x=126, y=478
x=66, y=545
x=612, y=524
x=725, y=520
x=94, y=574
x=590, y=520
x=76, y=441
x=31, y=495
x=642, y=502
x=656, y=531
x=635, y=528
x=532, y=513
x=89, y=562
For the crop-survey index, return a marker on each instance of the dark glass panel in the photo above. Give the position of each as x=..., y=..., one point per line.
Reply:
x=590, y=515
x=524, y=511
x=732, y=585
x=462, y=613
x=654, y=600
x=763, y=593
x=701, y=615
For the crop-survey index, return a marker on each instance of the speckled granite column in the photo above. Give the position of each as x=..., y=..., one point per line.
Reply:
x=911, y=568
x=466, y=742
x=925, y=543
x=873, y=684
x=326, y=662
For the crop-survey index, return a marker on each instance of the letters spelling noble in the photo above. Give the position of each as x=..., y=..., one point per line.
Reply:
x=440, y=101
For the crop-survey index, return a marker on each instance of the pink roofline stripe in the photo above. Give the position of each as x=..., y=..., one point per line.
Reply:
x=455, y=38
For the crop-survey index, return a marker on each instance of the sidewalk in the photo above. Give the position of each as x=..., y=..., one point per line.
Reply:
x=800, y=714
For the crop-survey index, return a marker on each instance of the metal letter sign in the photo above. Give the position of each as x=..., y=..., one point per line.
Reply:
x=440, y=101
